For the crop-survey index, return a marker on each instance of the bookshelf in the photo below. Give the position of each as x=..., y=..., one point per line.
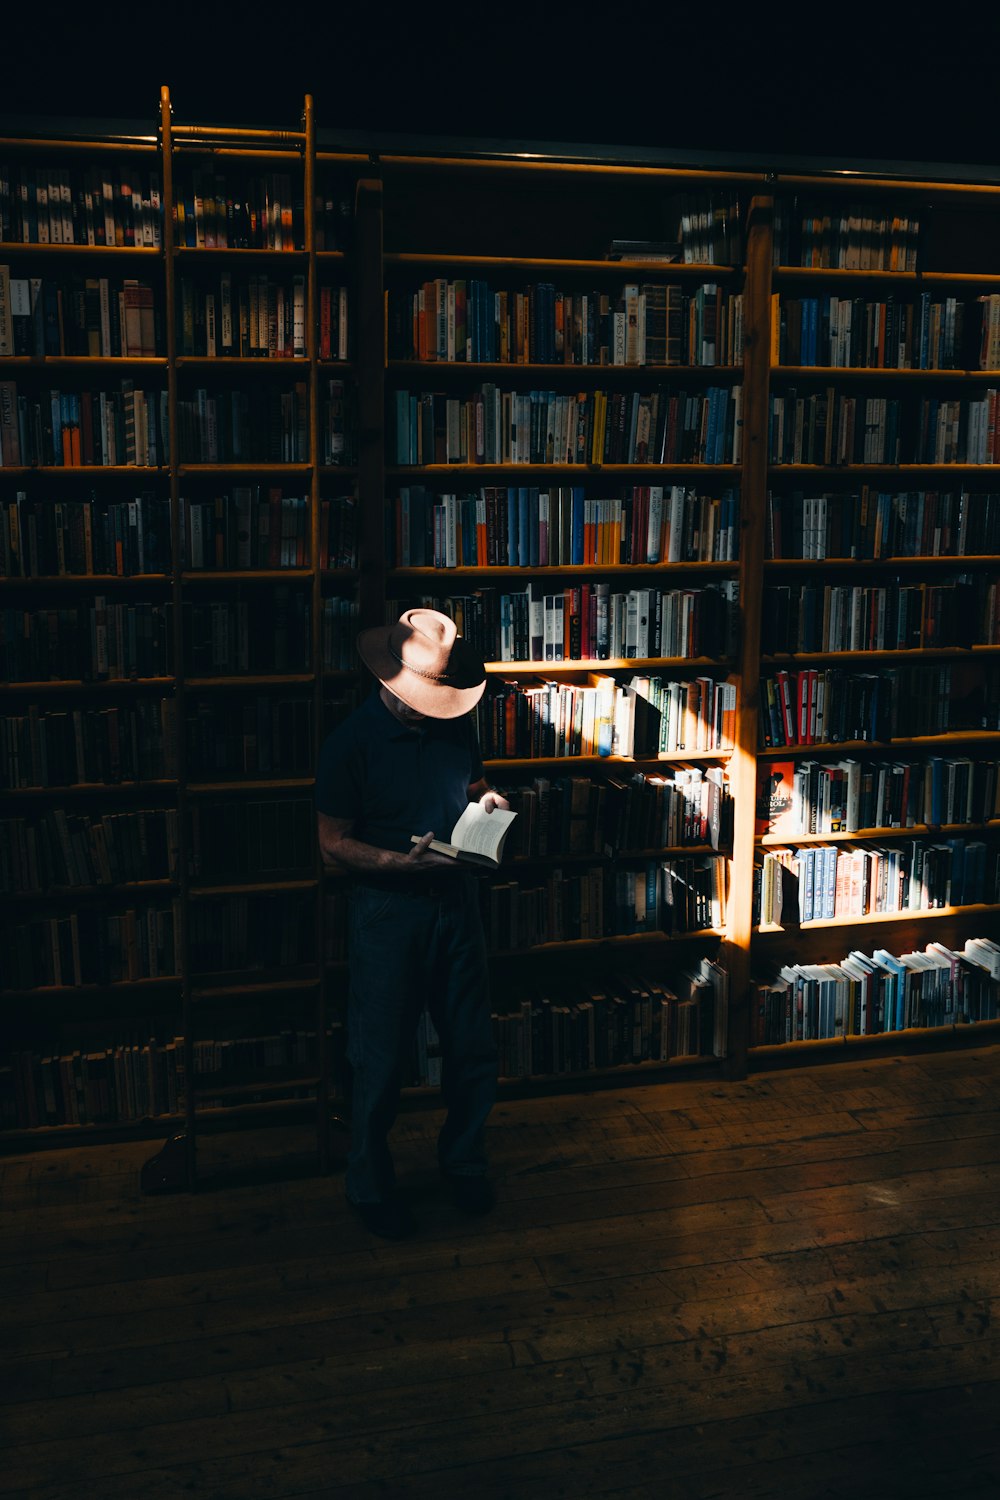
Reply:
x=299, y=387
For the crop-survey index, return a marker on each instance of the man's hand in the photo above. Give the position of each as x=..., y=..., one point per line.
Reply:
x=423, y=857
x=489, y=801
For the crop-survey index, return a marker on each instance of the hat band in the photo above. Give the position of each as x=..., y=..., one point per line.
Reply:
x=431, y=676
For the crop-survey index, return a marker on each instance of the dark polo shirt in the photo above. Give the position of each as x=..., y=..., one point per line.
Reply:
x=393, y=780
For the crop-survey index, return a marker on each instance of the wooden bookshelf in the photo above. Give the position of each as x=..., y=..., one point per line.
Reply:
x=381, y=224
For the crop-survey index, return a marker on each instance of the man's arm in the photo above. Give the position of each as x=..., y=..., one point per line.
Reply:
x=480, y=791
x=338, y=847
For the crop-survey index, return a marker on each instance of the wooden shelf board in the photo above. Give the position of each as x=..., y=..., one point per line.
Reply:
x=249, y=888
x=402, y=259
x=609, y=664
x=115, y=684
x=89, y=892
x=83, y=361
x=845, y=564
x=431, y=367
x=212, y=788
x=546, y=762
x=911, y=278
x=882, y=747
x=91, y=471
x=204, y=252
x=242, y=362
x=879, y=654
x=567, y=471
x=877, y=372
x=89, y=580
x=875, y=919
x=506, y=572
x=204, y=992
x=880, y=471
x=616, y=939
x=244, y=575
x=919, y=830
x=268, y=470
x=93, y=789
x=269, y=679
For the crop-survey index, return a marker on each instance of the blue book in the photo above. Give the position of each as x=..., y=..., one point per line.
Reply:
x=895, y=997
x=512, y=557
x=577, y=525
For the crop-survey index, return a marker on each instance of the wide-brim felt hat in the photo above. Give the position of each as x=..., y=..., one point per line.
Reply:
x=426, y=663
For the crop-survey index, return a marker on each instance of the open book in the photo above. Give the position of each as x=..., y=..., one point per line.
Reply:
x=477, y=836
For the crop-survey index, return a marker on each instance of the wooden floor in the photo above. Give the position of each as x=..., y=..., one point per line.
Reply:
x=782, y=1288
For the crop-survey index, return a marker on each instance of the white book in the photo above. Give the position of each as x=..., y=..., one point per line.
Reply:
x=478, y=836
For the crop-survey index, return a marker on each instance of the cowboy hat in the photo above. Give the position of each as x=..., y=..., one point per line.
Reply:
x=426, y=663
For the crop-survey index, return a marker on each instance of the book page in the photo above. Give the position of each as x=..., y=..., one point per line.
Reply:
x=481, y=832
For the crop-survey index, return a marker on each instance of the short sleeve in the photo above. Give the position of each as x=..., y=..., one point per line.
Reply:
x=338, y=791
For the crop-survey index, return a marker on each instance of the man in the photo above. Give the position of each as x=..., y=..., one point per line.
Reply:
x=407, y=762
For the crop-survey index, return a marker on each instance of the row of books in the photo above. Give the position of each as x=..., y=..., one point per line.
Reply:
x=875, y=523
x=861, y=236
x=261, y=734
x=253, y=933
x=529, y=526
x=235, y=838
x=251, y=527
x=650, y=324
x=112, y=203
x=66, y=429
x=615, y=1020
x=868, y=994
x=833, y=427
x=105, y=641
x=811, y=796
x=232, y=210
x=106, y=746
x=96, y=316
x=822, y=882
x=708, y=226
x=651, y=716
x=618, y=1020
x=121, y=1082
x=98, y=642
x=492, y=426
x=678, y=895
x=230, y=636
x=134, y=1080
x=253, y=424
x=64, y=848
x=858, y=333
x=611, y=815
x=246, y=316
x=832, y=706
x=636, y=1020
x=899, y=616
x=56, y=538
x=591, y=622
x=94, y=946
x=338, y=633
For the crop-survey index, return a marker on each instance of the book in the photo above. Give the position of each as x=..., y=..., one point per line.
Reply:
x=478, y=836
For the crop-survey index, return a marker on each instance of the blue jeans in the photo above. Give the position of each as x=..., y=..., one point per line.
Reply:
x=411, y=948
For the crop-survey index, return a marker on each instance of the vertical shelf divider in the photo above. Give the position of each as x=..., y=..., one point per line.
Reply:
x=753, y=504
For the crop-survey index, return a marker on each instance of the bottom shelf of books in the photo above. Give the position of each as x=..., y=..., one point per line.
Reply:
x=878, y=991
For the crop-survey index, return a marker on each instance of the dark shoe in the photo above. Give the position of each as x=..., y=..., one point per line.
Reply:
x=473, y=1195
x=389, y=1219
